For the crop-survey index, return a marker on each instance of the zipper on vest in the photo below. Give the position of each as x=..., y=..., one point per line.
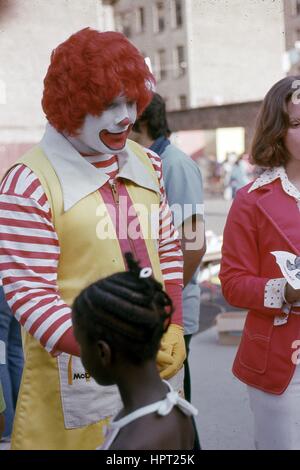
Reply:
x=114, y=190
x=131, y=243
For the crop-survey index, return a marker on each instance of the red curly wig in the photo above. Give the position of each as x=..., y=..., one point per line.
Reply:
x=87, y=72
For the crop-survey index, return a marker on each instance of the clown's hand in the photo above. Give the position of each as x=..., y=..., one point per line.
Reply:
x=172, y=353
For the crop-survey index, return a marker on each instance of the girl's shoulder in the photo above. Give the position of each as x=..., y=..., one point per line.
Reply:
x=155, y=432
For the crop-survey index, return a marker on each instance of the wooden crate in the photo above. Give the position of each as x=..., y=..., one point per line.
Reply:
x=230, y=326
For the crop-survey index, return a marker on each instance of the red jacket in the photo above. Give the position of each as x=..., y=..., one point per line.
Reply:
x=264, y=220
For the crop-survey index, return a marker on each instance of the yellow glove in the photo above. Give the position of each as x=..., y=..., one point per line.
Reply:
x=172, y=353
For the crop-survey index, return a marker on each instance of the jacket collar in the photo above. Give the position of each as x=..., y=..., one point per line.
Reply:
x=79, y=178
x=160, y=145
x=271, y=175
x=283, y=212
x=267, y=177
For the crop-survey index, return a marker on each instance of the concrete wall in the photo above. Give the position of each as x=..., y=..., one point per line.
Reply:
x=214, y=117
x=29, y=31
x=292, y=33
x=292, y=23
x=236, y=49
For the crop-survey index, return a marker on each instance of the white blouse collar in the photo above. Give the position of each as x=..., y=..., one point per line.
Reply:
x=270, y=175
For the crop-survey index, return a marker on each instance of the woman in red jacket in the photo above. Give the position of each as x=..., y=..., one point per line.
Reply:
x=263, y=218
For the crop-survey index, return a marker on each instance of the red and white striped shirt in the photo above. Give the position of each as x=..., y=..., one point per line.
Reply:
x=29, y=255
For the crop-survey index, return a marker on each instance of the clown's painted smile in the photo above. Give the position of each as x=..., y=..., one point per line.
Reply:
x=108, y=132
x=114, y=140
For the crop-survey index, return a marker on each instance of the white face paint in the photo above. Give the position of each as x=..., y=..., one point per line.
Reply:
x=108, y=132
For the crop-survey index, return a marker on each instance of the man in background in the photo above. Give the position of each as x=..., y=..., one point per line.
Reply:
x=11, y=362
x=184, y=190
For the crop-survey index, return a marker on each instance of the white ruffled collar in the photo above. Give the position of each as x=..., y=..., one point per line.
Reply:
x=270, y=175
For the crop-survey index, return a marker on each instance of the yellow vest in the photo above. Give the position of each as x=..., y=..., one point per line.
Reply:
x=84, y=258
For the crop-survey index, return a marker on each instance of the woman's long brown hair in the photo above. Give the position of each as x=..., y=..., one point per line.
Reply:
x=268, y=149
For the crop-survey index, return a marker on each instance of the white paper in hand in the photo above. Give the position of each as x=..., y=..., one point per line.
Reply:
x=290, y=267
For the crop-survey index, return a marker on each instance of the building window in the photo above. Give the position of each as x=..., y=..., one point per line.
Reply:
x=297, y=38
x=179, y=61
x=182, y=100
x=161, y=65
x=159, y=17
x=118, y=23
x=123, y=24
x=177, y=13
x=140, y=20
x=297, y=7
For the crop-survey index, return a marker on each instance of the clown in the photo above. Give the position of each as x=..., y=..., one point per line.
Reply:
x=51, y=248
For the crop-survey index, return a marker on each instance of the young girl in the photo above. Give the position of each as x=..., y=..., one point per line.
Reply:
x=265, y=217
x=119, y=322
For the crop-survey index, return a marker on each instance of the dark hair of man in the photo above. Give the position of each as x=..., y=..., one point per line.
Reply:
x=155, y=117
x=129, y=312
x=268, y=149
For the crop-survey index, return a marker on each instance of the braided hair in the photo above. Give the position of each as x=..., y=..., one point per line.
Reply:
x=128, y=311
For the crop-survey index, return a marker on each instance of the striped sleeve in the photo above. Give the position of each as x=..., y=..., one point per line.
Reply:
x=170, y=254
x=29, y=254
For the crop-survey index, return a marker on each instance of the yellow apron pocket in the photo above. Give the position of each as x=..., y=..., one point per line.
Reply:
x=84, y=402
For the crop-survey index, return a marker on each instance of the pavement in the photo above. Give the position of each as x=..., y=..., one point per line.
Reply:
x=216, y=211
x=224, y=421
x=4, y=445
